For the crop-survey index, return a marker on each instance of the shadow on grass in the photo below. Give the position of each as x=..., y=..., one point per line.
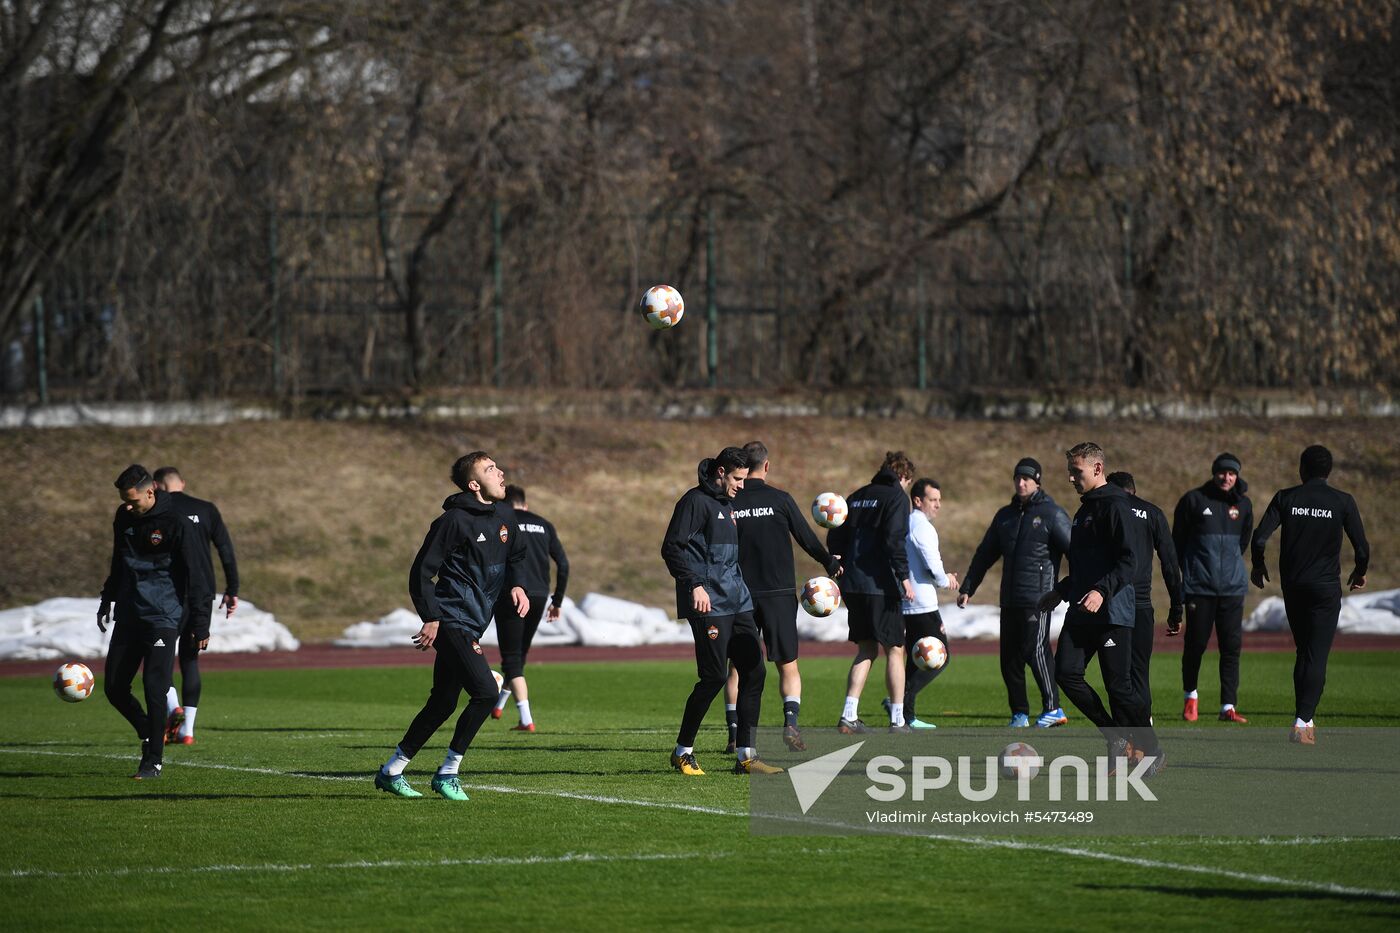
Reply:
x=138, y=794
x=286, y=729
x=1252, y=894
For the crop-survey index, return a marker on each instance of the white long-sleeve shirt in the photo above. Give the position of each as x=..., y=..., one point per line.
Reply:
x=925, y=565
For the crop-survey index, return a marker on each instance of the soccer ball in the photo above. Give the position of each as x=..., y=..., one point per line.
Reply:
x=663, y=307
x=820, y=596
x=1013, y=751
x=500, y=681
x=829, y=510
x=929, y=653
x=73, y=682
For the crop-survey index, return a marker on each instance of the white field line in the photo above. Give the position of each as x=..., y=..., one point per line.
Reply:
x=978, y=841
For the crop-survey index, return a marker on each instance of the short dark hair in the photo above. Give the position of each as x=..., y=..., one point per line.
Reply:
x=1087, y=451
x=462, y=469
x=921, y=487
x=1123, y=480
x=1315, y=463
x=898, y=463
x=163, y=472
x=757, y=454
x=134, y=477
x=515, y=495
x=729, y=459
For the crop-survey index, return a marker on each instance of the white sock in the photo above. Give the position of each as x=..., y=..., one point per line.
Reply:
x=684, y=750
x=1190, y=694
x=451, y=763
x=172, y=700
x=744, y=753
x=1226, y=707
x=501, y=700
x=396, y=763
x=896, y=714
x=524, y=707
x=188, y=727
x=852, y=709
x=1309, y=724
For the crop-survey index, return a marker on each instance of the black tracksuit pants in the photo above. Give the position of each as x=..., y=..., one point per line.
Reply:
x=1025, y=639
x=459, y=665
x=916, y=678
x=514, y=634
x=1225, y=614
x=137, y=646
x=191, y=684
x=1113, y=644
x=718, y=641
x=1312, y=615
x=1142, y=657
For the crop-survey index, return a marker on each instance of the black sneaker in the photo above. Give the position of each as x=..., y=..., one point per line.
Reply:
x=853, y=727
x=729, y=748
x=148, y=771
x=792, y=738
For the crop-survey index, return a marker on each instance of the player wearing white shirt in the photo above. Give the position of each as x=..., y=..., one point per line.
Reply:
x=921, y=616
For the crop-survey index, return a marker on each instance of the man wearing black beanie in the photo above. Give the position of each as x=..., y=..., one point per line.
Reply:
x=1313, y=517
x=1211, y=530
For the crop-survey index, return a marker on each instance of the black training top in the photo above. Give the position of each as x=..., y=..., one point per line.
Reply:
x=1031, y=537
x=1101, y=558
x=1154, y=535
x=1313, y=517
x=768, y=519
x=541, y=546
x=468, y=548
x=208, y=524
x=701, y=548
x=151, y=574
x=871, y=541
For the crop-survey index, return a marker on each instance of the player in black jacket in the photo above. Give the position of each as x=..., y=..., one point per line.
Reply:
x=1102, y=609
x=1313, y=517
x=151, y=580
x=701, y=551
x=472, y=549
x=514, y=633
x=1211, y=529
x=208, y=525
x=1030, y=535
x=875, y=581
x=1152, y=535
x=769, y=520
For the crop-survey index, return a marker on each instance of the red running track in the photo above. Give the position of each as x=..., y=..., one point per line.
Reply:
x=328, y=656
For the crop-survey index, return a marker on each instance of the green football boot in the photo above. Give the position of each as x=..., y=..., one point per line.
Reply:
x=395, y=785
x=448, y=786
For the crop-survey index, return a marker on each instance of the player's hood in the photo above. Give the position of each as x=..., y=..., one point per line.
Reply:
x=1036, y=498
x=1106, y=491
x=468, y=502
x=163, y=505
x=885, y=477
x=706, y=482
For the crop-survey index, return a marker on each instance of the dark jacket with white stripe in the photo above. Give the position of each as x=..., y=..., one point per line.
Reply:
x=701, y=548
x=769, y=520
x=1211, y=531
x=871, y=541
x=468, y=549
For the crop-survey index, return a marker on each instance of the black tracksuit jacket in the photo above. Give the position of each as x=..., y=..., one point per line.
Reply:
x=152, y=572
x=871, y=541
x=1031, y=537
x=473, y=549
x=208, y=525
x=541, y=546
x=768, y=519
x=1211, y=532
x=1313, y=517
x=1101, y=558
x=701, y=548
x=1152, y=534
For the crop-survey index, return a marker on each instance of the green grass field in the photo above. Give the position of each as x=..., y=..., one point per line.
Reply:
x=271, y=821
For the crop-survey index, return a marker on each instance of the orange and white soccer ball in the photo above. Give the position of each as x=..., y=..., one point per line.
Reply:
x=663, y=306
x=500, y=681
x=829, y=510
x=1015, y=754
x=929, y=653
x=73, y=682
x=820, y=596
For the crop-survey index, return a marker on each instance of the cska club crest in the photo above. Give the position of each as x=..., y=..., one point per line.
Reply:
x=1234, y=513
x=503, y=533
x=476, y=646
x=156, y=538
x=713, y=632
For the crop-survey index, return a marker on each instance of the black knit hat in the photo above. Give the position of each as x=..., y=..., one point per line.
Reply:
x=1226, y=461
x=1027, y=466
x=1315, y=462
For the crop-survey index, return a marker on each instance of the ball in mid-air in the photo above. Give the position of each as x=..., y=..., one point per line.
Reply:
x=930, y=653
x=663, y=306
x=829, y=510
x=1017, y=753
x=820, y=596
x=73, y=682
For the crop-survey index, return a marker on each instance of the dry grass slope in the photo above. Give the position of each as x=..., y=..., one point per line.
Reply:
x=327, y=516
